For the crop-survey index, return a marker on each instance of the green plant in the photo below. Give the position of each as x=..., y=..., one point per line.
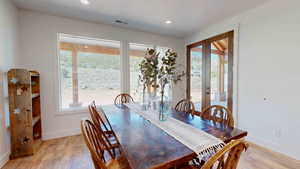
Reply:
x=150, y=72
x=149, y=69
x=167, y=72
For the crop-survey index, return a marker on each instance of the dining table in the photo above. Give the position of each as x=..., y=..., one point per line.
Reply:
x=147, y=146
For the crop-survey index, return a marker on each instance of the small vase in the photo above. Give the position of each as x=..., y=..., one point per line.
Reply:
x=163, y=112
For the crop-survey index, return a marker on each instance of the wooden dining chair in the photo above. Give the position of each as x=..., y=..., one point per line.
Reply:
x=123, y=98
x=227, y=158
x=186, y=106
x=102, y=123
x=218, y=114
x=98, y=148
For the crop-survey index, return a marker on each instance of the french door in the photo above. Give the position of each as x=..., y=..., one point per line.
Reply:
x=210, y=71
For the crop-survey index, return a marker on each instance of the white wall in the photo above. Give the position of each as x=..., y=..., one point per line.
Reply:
x=38, y=46
x=8, y=58
x=268, y=67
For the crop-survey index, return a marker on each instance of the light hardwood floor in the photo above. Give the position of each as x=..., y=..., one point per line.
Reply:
x=71, y=153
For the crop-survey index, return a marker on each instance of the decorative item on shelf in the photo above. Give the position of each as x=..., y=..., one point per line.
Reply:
x=154, y=74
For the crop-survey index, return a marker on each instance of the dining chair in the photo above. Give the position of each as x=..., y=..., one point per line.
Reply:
x=123, y=98
x=98, y=148
x=186, y=106
x=227, y=158
x=102, y=123
x=218, y=114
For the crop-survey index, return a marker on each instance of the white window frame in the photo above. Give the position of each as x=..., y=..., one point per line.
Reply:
x=124, y=72
x=58, y=98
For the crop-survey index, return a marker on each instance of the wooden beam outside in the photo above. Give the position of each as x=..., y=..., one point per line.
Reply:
x=75, y=78
x=213, y=51
x=98, y=49
x=219, y=46
x=221, y=75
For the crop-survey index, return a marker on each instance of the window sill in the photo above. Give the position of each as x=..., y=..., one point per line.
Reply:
x=72, y=111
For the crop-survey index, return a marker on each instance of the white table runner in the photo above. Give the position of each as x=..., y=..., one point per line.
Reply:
x=197, y=140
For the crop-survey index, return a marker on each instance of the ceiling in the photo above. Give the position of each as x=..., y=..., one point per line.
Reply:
x=188, y=16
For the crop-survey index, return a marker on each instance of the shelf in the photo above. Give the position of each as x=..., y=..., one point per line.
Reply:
x=24, y=91
x=34, y=95
x=35, y=120
x=34, y=74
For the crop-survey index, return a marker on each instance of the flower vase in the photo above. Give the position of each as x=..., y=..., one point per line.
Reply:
x=143, y=99
x=165, y=102
x=151, y=97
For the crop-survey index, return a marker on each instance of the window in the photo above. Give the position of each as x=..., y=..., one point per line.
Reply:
x=89, y=70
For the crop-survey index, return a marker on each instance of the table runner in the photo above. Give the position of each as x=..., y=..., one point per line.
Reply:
x=197, y=140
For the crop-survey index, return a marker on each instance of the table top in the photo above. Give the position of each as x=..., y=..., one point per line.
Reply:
x=147, y=146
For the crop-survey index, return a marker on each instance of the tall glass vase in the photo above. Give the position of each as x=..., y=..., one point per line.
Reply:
x=165, y=102
x=149, y=97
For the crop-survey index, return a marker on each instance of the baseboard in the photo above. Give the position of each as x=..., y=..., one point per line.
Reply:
x=61, y=133
x=271, y=146
x=4, y=159
x=262, y=142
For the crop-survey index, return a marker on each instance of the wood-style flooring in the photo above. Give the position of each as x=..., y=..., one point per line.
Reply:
x=71, y=153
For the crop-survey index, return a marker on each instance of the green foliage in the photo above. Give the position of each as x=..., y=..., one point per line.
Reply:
x=149, y=69
x=168, y=64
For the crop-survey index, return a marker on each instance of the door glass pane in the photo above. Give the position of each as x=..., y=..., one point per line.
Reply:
x=219, y=73
x=196, y=76
x=136, y=55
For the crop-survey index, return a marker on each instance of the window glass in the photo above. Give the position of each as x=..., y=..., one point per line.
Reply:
x=89, y=70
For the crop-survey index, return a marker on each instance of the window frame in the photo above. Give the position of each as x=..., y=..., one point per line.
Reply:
x=58, y=88
x=125, y=86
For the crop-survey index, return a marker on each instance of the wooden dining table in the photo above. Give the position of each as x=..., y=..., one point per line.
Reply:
x=147, y=146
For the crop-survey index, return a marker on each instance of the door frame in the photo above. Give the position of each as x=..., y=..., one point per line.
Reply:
x=206, y=67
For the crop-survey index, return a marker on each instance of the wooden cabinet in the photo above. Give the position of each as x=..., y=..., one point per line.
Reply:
x=25, y=112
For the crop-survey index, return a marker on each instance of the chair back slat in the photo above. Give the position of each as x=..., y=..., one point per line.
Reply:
x=228, y=157
x=218, y=114
x=98, y=117
x=186, y=106
x=103, y=125
x=96, y=144
x=123, y=98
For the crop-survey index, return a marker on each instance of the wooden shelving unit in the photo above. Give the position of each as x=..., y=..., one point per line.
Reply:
x=25, y=112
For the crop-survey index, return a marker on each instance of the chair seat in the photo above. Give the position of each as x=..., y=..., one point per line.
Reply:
x=119, y=163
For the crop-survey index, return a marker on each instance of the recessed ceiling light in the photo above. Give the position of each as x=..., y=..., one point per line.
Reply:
x=85, y=2
x=168, y=22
